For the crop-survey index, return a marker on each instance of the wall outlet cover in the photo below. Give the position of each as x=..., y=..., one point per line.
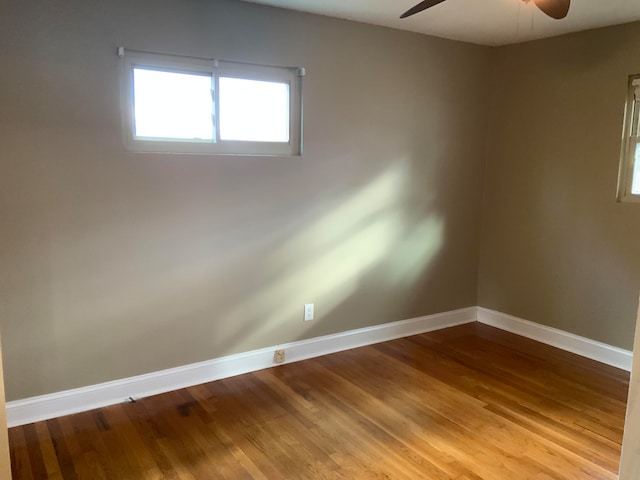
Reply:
x=278, y=356
x=308, y=312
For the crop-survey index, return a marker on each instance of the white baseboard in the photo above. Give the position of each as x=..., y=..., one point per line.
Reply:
x=21, y=412
x=585, y=347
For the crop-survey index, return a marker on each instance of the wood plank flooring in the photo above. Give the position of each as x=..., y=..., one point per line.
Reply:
x=465, y=403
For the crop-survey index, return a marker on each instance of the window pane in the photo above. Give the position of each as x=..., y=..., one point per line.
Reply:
x=635, y=187
x=171, y=105
x=252, y=110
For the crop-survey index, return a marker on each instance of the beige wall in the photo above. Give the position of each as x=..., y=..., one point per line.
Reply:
x=556, y=247
x=116, y=264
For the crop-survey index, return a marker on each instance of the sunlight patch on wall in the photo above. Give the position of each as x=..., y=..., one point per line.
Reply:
x=328, y=261
x=416, y=249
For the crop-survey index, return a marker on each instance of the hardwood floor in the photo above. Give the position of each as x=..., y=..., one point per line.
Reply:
x=465, y=403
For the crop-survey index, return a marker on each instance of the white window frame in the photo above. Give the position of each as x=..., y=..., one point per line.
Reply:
x=216, y=69
x=629, y=142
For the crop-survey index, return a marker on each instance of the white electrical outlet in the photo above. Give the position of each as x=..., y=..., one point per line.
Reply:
x=308, y=312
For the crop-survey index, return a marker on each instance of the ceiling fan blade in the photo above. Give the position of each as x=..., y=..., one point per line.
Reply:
x=554, y=8
x=420, y=7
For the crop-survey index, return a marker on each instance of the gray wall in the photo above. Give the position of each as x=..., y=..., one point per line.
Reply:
x=114, y=264
x=556, y=247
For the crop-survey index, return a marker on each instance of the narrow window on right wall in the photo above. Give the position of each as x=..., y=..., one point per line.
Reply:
x=629, y=176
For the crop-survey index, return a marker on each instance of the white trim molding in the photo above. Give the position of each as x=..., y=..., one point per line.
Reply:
x=21, y=412
x=601, y=352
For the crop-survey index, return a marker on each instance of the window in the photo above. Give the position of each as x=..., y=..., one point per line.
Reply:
x=178, y=104
x=629, y=177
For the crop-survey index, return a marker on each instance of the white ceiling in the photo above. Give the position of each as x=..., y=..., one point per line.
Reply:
x=486, y=22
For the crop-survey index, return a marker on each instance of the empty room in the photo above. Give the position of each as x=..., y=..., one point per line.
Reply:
x=310, y=239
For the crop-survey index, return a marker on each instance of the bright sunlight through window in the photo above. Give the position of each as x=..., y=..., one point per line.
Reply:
x=635, y=188
x=253, y=110
x=174, y=104
x=629, y=175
